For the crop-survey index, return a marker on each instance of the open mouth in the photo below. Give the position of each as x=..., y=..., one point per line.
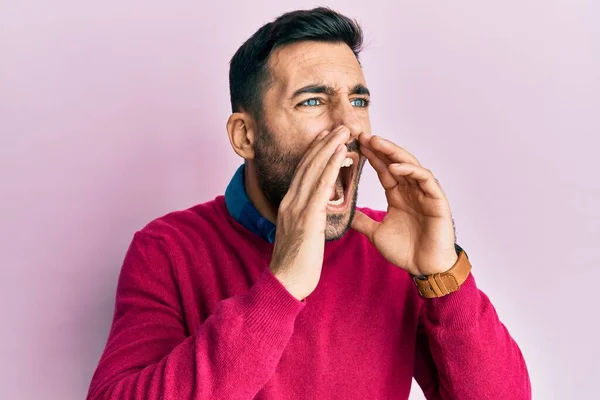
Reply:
x=342, y=190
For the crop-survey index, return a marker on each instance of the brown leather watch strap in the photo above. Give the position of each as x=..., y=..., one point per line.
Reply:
x=438, y=285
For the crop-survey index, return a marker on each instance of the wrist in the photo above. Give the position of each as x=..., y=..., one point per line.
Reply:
x=444, y=283
x=443, y=265
x=289, y=284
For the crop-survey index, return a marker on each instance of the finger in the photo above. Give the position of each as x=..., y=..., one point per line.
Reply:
x=394, y=152
x=364, y=224
x=383, y=173
x=323, y=139
x=314, y=162
x=386, y=182
x=364, y=140
x=318, y=141
x=423, y=177
x=387, y=161
x=322, y=189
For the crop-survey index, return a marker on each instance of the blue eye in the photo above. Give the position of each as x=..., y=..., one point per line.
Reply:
x=311, y=103
x=361, y=103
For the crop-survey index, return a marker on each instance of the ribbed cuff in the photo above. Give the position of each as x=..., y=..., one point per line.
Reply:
x=457, y=310
x=271, y=310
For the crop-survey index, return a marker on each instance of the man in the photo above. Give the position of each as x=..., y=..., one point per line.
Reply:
x=335, y=303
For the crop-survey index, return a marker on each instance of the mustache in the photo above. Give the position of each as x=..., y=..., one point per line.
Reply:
x=353, y=147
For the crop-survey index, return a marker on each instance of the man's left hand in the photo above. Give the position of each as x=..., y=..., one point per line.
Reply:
x=417, y=233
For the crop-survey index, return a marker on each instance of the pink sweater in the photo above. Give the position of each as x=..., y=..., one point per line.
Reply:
x=198, y=315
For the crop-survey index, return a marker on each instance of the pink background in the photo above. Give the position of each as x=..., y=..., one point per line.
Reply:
x=113, y=113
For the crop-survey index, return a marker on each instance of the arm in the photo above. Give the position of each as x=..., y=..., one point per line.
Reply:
x=149, y=355
x=464, y=352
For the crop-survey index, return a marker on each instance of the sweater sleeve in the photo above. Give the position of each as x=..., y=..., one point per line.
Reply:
x=149, y=354
x=464, y=352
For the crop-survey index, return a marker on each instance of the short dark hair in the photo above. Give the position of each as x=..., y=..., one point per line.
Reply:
x=248, y=70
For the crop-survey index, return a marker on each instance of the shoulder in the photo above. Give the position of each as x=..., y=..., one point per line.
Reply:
x=188, y=224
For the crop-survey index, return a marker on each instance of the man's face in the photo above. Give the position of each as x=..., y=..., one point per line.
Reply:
x=314, y=87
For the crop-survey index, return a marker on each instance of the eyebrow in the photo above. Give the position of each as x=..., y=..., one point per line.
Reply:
x=329, y=90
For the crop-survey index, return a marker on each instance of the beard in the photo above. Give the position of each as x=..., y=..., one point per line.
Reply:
x=275, y=170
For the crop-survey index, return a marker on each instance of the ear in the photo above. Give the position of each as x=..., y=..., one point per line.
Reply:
x=242, y=133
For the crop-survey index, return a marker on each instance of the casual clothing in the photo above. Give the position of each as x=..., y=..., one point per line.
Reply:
x=199, y=315
x=243, y=211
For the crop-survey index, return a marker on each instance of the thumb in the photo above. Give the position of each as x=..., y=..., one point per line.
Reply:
x=364, y=224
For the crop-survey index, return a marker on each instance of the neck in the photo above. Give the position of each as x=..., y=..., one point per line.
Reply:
x=256, y=195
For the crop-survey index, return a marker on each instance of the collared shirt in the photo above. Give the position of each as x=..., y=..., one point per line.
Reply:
x=241, y=208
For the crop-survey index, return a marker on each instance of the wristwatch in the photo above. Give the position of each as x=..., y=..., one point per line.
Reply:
x=441, y=284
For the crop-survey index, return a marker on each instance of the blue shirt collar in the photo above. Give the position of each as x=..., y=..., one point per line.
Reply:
x=243, y=211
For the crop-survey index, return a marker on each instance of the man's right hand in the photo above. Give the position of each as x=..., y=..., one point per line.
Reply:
x=300, y=239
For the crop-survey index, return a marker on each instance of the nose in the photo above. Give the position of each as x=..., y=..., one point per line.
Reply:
x=345, y=114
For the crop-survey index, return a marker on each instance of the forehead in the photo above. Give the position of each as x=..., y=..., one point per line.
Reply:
x=304, y=63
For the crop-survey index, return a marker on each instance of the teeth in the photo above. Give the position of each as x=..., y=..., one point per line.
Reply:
x=337, y=202
x=347, y=162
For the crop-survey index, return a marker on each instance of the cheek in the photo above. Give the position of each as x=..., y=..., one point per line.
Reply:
x=311, y=132
x=295, y=130
x=304, y=131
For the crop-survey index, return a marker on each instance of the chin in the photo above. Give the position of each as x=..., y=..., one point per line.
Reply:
x=338, y=224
